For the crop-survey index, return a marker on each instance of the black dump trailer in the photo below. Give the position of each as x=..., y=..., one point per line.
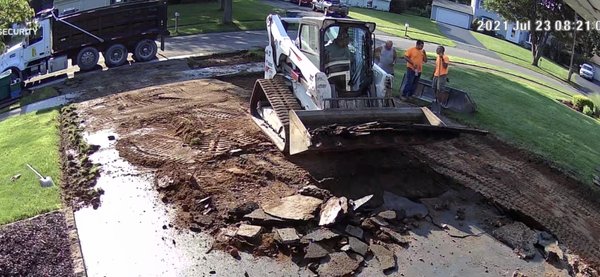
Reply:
x=115, y=30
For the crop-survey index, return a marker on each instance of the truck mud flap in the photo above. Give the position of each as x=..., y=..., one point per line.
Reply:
x=343, y=130
x=458, y=101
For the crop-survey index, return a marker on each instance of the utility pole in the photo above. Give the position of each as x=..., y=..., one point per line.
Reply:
x=573, y=51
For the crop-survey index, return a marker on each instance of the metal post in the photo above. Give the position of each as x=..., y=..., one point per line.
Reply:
x=177, y=22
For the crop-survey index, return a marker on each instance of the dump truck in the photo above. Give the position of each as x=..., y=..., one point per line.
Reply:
x=114, y=31
x=323, y=92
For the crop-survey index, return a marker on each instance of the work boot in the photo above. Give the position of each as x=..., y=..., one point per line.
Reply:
x=436, y=108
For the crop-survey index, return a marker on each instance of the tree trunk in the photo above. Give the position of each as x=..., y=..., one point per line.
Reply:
x=222, y=5
x=571, y=69
x=537, y=48
x=228, y=11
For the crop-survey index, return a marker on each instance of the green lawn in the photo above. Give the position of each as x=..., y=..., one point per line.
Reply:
x=525, y=113
x=420, y=27
x=520, y=56
x=205, y=17
x=33, y=139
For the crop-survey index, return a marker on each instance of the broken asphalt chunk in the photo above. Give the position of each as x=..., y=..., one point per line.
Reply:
x=354, y=231
x=314, y=191
x=519, y=237
x=286, y=235
x=316, y=250
x=332, y=210
x=358, y=246
x=359, y=202
x=403, y=204
x=295, y=207
x=243, y=209
x=339, y=264
x=388, y=215
x=395, y=236
x=384, y=256
x=249, y=231
x=259, y=216
x=319, y=235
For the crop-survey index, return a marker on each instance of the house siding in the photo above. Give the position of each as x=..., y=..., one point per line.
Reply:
x=381, y=5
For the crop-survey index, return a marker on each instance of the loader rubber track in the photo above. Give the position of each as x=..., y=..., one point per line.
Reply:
x=280, y=97
x=518, y=186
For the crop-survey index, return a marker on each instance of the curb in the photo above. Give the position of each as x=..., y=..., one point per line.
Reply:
x=79, y=269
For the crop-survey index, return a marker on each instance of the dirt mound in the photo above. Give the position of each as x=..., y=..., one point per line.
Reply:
x=36, y=247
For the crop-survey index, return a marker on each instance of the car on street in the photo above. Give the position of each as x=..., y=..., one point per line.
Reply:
x=587, y=71
x=331, y=7
x=302, y=2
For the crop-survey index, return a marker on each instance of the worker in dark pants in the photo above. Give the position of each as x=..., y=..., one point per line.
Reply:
x=440, y=77
x=415, y=58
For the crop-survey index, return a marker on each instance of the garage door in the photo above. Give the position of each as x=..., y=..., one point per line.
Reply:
x=453, y=18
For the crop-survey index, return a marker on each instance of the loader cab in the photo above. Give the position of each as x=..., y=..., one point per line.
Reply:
x=343, y=50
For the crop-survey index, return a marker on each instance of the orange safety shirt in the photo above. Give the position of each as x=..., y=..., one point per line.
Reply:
x=416, y=57
x=439, y=66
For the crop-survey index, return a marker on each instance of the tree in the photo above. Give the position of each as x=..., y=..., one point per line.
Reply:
x=533, y=11
x=13, y=11
x=227, y=11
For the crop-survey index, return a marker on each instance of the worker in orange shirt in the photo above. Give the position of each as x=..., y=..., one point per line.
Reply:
x=440, y=77
x=415, y=58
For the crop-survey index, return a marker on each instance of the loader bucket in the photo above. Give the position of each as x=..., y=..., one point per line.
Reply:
x=343, y=130
x=458, y=101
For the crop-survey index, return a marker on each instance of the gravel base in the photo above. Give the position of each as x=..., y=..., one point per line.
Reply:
x=36, y=247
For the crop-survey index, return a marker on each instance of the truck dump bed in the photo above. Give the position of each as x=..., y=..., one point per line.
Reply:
x=109, y=23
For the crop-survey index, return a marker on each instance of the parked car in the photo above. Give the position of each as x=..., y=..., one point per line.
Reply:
x=587, y=71
x=331, y=7
x=302, y=2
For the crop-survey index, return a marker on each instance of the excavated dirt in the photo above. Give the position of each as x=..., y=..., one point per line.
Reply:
x=36, y=247
x=209, y=158
x=226, y=59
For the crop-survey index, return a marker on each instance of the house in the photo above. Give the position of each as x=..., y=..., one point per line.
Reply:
x=507, y=30
x=461, y=15
x=382, y=5
x=452, y=13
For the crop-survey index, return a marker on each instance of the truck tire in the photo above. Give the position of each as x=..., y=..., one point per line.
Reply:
x=87, y=58
x=115, y=55
x=145, y=50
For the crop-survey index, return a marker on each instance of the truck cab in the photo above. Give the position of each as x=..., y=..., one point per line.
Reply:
x=28, y=58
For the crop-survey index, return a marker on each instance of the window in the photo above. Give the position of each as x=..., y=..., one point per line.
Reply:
x=309, y=38
x=36, y=36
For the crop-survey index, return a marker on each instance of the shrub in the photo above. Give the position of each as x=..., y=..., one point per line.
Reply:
x=580, y=101
x=588, y=111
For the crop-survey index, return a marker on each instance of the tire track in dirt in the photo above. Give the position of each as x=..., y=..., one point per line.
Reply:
x=519, y=183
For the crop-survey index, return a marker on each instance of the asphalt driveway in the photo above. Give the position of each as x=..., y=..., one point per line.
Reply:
x=465, y=40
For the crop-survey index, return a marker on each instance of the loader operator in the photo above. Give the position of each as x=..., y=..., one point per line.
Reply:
x=338, y=61
x=338, y=49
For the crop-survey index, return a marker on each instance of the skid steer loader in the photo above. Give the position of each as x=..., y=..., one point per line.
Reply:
x=322, y=91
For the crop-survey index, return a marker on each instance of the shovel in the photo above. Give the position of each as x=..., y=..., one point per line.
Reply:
x=44, y=181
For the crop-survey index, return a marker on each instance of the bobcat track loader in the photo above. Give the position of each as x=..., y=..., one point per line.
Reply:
x=322, y=92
